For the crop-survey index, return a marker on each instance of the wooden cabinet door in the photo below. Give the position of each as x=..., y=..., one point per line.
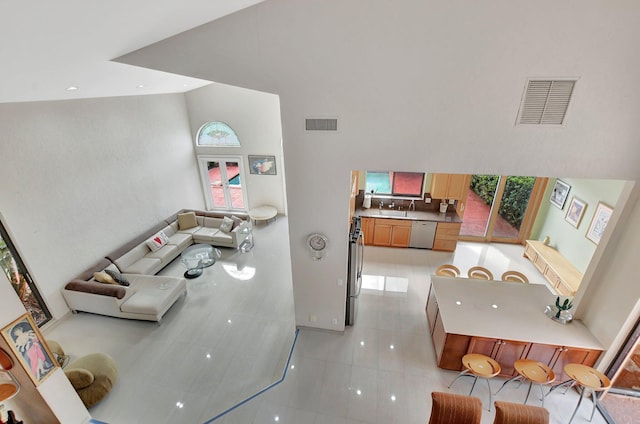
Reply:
x=431, y=309
x=439, y=186
x=368, y=227
x=573, y=355
x=446, y=236
x=507, y=353
x=400, y=235
x=382, y=233
x=457, y=188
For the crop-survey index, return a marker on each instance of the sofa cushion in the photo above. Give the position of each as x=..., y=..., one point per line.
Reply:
x=187, y=220
x=79, y=377
x=119, y=278
x=93, y=287
x=164, y=253
x=144, y=266
x=212, y=222
x=222, y=237
x=181, y=240
x=236, y=221
x=152, y=300
x=103, y=277
x=156, y=241
x=226, y=225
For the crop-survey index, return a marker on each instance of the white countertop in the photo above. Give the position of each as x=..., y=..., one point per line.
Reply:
x=506, y=311
x=411, y=215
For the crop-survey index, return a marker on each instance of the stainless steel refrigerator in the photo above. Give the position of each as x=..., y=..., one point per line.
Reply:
x=354, y=276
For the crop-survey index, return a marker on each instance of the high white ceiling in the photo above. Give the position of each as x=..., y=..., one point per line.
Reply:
x=46, y=47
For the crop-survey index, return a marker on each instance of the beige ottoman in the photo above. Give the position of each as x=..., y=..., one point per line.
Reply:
x=92, y=376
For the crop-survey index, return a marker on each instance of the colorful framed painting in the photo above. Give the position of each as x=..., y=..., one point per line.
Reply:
x=27, y=343
x=599, y=222
x=262, y=165
x=575, y=211
x=559, y=194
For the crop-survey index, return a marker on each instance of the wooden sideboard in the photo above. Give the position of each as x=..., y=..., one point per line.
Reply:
x=563, y=276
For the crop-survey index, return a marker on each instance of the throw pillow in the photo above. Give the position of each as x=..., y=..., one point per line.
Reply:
x=119, y=278
x=103, y=277
x=158, y=240
x=79, y=378
x=187, y=220
x=226, y=225
x=236, y=221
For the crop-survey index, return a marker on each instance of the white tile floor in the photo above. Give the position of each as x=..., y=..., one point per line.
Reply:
x=382, y=370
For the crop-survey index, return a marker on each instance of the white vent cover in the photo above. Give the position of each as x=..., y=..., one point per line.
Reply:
x=321, y=124
x=545, y=102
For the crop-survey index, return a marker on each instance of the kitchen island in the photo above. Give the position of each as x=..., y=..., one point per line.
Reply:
x=503, y=320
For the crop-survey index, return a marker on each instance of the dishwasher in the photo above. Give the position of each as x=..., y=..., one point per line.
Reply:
x=422, y=234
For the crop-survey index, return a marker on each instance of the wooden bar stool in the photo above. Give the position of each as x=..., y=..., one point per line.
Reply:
x=480, y=273
x=533, y=371
x=476, y=365
x=515, y=276
x=448, y=270
x=588, y=379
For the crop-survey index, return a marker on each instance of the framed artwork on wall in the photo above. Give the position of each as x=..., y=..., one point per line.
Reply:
x=559, y=194
x=599, y=222
x=262, y=165
x=575, y=211
x=26, y=342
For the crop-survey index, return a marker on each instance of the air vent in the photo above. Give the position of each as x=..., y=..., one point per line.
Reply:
x=321, y=124
x=545, y=102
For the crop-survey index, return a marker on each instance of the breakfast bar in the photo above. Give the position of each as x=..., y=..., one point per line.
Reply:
x=503, y=320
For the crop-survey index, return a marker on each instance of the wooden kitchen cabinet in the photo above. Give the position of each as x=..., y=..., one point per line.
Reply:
x=391, y=232
x=562, y=276
x=559, y=356
x=368, y=226
x=449, y=186
x=505, y=352
x=446, y=238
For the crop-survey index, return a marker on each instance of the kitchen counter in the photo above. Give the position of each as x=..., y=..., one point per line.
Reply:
x=518, y=315
x=411, y=215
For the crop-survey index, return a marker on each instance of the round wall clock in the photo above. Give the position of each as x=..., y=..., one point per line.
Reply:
x=317, y=243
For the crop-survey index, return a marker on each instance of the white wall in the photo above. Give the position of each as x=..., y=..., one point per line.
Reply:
x=80, y=178
x=569, y=240
x=255, y=117
x=420, y=85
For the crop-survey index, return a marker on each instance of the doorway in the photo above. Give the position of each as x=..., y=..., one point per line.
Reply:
x=498, y=208
x=223, y=180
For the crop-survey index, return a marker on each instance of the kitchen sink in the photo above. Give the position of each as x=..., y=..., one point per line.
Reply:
x=391, y=212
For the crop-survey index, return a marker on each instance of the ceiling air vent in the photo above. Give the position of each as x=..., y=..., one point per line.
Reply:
x=545, y=102
x=321, y=124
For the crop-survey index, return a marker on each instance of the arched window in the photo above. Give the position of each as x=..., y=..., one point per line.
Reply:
x=217, y=134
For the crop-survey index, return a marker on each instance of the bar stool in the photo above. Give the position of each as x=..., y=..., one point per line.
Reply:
x=535, y=372
x=589, y=379
x=448, y=270
x=515, y=276
x=476, y=365
x=480, y=273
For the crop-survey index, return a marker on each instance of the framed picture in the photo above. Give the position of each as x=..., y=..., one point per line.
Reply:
x=262, y=165
x=559, y=194
x=599, y=222
x=575, y=211
x=24, y=338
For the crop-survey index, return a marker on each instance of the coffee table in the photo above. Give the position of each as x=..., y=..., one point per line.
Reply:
x=198, y=256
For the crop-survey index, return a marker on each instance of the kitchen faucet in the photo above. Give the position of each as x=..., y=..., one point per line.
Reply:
x=392, y=205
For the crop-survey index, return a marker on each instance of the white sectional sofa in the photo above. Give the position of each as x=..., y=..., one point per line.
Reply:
x=148, y=296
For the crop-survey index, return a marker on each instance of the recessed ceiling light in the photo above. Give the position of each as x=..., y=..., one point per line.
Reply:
x=72, y=88
x=140, y=85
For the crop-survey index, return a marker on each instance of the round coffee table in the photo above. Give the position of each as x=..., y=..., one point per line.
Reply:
x=263, y=213
x=198, y=256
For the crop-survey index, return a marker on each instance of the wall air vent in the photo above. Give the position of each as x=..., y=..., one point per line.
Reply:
x=545, y=102
x=321, y=124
